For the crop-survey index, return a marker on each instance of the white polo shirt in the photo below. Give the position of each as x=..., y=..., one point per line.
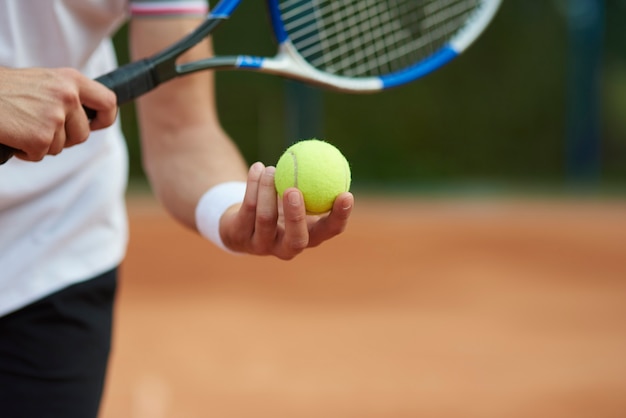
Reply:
x=63, y=219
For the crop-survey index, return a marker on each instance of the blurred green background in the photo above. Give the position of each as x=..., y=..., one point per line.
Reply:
x=538, y=101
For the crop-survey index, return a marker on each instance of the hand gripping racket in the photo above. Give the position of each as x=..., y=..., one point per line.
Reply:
x=353, y=46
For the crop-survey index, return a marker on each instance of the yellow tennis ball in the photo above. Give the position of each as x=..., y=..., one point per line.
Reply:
x=317, y=169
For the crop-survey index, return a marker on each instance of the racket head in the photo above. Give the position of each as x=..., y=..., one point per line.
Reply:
x=370, y=45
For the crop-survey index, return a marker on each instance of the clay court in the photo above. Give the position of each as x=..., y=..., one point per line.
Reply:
x=447, y=308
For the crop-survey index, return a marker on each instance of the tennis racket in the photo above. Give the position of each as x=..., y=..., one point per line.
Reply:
x=355, y=46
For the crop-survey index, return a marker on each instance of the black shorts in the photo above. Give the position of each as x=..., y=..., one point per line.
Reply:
x=54, y=353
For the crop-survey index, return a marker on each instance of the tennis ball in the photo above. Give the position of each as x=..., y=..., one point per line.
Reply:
x=317, y=169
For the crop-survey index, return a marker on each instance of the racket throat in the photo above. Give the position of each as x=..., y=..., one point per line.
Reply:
x=289, y=63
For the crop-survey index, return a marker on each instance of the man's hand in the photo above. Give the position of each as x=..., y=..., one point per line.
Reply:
x=42, y=110
x=264, y=225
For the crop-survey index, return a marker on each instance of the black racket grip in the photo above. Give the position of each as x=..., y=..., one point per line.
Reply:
x=6, y=152
x=128, y=82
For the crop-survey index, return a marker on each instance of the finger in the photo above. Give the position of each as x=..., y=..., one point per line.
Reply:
x=76, y=128
x=36, y=150
x=58, y=142
x=103, y=119
x=266, y=213
x=20, y=155
x=296, y=233
x=51, y=147
x=97, y=97
x=335, y=223
x=246, y=216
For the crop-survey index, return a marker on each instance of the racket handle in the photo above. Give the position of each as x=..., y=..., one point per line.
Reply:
x=6, y=152
x=128, y=82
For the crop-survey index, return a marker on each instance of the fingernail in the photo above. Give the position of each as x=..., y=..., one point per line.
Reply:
x=257, y=167
x=294, y=198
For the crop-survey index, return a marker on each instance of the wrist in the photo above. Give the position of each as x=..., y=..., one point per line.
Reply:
x=212, y=206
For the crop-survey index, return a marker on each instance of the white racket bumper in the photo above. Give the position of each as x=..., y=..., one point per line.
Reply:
x=476, y=26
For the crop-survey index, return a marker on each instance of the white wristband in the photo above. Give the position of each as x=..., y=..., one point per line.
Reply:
x=212, y=206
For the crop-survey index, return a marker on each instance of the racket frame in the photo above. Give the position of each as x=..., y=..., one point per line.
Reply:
x=289, y=63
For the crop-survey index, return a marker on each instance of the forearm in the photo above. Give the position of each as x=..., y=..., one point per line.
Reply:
x=182, y=165
x=184, y=149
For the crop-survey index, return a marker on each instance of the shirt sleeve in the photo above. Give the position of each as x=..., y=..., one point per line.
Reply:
x=164, y=8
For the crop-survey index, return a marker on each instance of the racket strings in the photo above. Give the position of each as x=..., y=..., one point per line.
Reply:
x=363, y=38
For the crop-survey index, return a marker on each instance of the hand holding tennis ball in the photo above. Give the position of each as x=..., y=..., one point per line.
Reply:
x=317, y=169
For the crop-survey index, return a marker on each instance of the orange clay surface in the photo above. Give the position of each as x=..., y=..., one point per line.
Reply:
x=448, y=308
